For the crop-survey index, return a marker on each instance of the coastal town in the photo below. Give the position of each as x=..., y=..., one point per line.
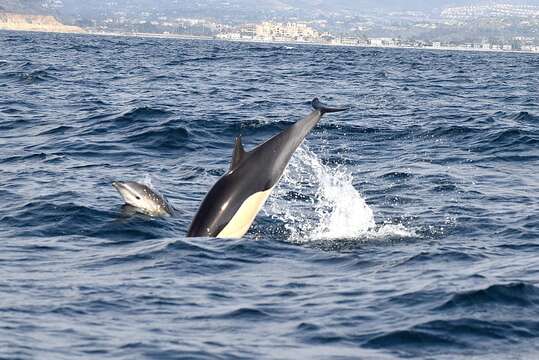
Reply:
x=507, y=27
x=290, y=32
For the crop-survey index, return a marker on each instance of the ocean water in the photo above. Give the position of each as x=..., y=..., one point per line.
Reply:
x=406, y=227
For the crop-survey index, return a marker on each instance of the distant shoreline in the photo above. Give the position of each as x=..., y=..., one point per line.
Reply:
x=212, y=38
x=381, y=47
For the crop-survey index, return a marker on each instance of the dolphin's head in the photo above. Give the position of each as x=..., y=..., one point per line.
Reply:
x=142, y=197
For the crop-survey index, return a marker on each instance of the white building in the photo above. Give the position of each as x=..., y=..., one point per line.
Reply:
x=272, y=31
x=382, y=42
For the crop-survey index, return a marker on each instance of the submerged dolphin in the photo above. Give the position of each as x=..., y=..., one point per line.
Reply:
x=143, y=198
x=230, y=207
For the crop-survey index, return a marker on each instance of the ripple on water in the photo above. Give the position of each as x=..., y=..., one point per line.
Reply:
x=512, y=295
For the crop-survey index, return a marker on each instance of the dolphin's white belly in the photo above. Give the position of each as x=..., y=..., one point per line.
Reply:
x=244, y=217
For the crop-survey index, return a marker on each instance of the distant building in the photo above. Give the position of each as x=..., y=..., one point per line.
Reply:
x=530, y=48
x=229, y=36
x=382, y=42
x=248, y=31
x=270, y=31
x=347, y=41
x=273, y=31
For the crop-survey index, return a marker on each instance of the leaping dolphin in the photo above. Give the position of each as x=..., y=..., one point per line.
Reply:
x=143, y=198
x=230, y=207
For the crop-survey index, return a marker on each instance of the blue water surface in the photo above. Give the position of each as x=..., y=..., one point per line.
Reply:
x=441, y=145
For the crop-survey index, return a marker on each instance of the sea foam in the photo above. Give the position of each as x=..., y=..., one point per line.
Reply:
x=319, y=202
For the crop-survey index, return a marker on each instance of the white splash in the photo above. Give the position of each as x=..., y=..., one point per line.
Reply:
x=319, y=202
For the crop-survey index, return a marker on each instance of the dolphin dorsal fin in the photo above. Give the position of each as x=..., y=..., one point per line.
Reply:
x=238, y=154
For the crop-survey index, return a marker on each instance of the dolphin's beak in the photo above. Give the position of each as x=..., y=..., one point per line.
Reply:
x=117, y=185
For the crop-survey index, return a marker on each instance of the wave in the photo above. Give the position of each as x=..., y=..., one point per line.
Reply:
x=204, y=59
x=463, y=335
x=249, y=314
x=62, y=129
x=127, y=121
x=23, y=158
x=412, y=339
x=489, y=136
x=525, y=117
x=507, y=141
x=161, y=138
x=453, y=256
x=143, y=113
x=54, y=218
x=36, y=76
x=451, y=131
x=32, y=77
x=512, y=294
x=84, y=47
x=512, y=137
x=396, y=175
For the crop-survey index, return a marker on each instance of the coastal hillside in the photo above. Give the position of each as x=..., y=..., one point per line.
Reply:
x=26, y=22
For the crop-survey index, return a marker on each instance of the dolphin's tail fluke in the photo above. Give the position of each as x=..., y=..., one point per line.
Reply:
x=317, y=105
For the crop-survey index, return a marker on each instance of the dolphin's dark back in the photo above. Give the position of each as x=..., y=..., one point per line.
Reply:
x=237, y=195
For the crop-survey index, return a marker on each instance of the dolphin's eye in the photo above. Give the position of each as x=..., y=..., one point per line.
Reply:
x=138, y=197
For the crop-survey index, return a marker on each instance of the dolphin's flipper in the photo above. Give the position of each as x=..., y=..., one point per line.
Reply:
x=323, y=108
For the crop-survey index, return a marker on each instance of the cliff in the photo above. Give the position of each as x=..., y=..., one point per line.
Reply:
x=22, y=22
